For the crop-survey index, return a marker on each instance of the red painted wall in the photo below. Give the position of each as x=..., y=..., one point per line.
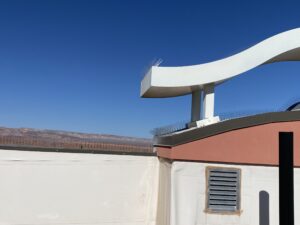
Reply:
x=253, y=145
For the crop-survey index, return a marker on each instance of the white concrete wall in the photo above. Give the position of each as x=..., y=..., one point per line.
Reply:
x=188, y=190
x=71, y=188
x=164, y=193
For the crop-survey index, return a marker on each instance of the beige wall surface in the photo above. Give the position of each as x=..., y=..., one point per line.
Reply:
x=71, y=188
x=188, y=190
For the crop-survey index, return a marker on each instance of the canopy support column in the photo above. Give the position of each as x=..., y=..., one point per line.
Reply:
x=208, y=101
x=196, y=105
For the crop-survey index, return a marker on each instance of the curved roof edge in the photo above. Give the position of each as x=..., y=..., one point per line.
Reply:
x=225, y=126
x=175, y=81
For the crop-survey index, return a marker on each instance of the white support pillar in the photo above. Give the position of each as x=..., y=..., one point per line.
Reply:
x=196, y=105
x=208, y=101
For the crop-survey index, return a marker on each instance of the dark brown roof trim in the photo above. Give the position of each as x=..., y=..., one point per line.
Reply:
x=190, y=135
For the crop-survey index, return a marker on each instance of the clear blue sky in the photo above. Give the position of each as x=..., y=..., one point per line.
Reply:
x=77, y=65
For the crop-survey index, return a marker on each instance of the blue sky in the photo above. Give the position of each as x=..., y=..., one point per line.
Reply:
x=77, y=65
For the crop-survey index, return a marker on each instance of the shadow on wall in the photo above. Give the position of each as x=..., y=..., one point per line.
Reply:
x=264, y=208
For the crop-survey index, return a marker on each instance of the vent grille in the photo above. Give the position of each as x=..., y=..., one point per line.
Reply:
x=223, y=190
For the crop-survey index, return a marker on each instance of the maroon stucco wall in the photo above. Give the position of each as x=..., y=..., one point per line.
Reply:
x=253, y=145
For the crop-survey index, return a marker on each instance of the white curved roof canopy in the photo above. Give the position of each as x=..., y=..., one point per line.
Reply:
x=175, y=81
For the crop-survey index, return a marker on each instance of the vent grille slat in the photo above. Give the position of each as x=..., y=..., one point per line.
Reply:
x=223, y=197
x=223, y=202
x=224, y=208
x=223, y=193
x=223, y=174
x=223, y=189
x=229, y=179
x=219, y=183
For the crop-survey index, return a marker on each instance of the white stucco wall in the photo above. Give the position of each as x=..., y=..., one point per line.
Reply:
x=188, y=189
x=72, y=188
x=164, y=193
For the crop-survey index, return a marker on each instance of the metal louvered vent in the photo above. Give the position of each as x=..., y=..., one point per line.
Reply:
x=223, y=190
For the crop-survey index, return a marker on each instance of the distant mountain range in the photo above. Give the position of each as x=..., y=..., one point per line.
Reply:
x=72, y=141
